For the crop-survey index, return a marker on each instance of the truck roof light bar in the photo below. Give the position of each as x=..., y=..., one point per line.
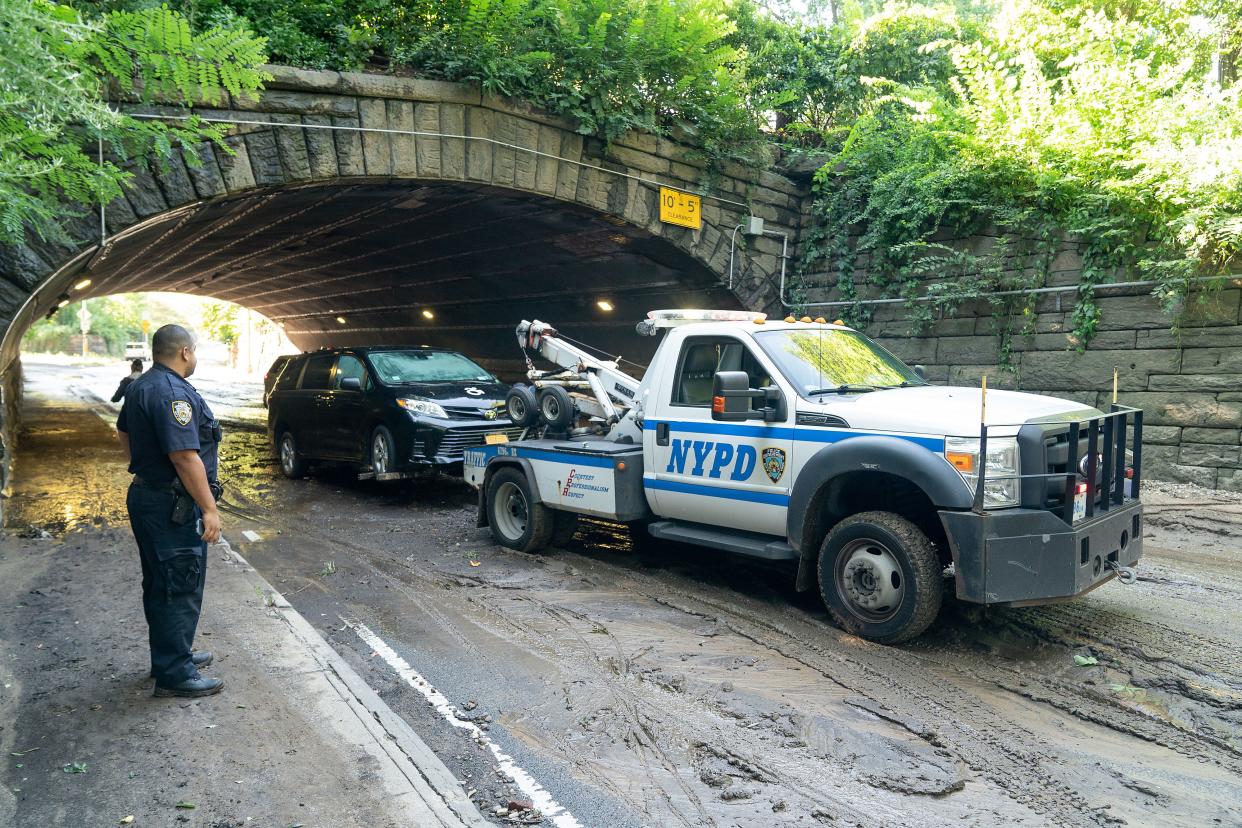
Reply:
x=672, y=317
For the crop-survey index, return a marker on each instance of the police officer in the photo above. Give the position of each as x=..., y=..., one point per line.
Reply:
x=171, y=437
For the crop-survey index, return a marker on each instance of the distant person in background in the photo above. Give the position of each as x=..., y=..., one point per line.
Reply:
x=135, y=371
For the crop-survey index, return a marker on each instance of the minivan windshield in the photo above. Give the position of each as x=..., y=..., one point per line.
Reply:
x=831, y=360
x=399, y=367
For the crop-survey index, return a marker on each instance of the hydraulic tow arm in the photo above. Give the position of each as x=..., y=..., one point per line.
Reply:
x=610, y=387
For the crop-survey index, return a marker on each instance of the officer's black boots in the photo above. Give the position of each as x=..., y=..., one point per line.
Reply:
x=192, y=688
x=201, y=658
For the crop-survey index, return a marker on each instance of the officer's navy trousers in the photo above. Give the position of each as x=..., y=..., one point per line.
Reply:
x=174, y=572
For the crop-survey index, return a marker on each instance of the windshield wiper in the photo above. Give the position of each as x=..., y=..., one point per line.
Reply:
x=847, y=388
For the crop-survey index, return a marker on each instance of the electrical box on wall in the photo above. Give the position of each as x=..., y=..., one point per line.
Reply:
x=753, y=226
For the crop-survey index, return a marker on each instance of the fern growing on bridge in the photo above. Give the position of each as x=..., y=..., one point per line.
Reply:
x=54, y=75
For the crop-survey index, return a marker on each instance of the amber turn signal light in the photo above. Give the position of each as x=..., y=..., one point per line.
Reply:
x=961, y=460
x=718, y=405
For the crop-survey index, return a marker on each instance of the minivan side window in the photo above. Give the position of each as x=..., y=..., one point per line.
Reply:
x=289, y=374
x=349, y=366
x=318, y=369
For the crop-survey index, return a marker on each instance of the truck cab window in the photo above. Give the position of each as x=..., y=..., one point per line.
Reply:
x=700, y=360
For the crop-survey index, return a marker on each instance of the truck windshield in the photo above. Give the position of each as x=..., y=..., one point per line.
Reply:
x=398, y=367
x=830, y=360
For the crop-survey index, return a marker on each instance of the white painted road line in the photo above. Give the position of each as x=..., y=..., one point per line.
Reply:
x=546, y=805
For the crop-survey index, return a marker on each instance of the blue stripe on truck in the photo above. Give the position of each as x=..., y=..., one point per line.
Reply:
x=517, y=450
x=769, y=498
x=805, y=435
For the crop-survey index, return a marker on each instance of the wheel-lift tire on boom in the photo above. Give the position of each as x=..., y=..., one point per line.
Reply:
x=522, y=406
x=557, y=408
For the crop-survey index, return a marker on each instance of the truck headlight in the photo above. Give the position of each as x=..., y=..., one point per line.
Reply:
x=417, y=405
x=1001, y=482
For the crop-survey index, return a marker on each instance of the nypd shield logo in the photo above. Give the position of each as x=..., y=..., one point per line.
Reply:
x=182, y=412
x=774, y=463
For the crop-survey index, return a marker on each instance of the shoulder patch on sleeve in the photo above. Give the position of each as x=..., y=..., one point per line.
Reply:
x=182, y=412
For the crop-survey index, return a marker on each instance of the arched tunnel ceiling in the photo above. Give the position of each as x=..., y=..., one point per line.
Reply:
x=379, y=254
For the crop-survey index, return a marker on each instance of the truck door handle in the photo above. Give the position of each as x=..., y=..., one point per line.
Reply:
x=661, y=434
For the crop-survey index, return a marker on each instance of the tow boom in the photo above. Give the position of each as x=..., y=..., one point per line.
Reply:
x=612, y=391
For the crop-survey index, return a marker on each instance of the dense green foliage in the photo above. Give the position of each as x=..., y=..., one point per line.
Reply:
x=1101, y=123
x=53, y=72
x=1113, y=124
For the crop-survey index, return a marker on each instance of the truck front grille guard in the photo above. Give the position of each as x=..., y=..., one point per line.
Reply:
x=1106, y=471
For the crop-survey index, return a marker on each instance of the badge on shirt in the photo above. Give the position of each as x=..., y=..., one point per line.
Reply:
x=182, y=412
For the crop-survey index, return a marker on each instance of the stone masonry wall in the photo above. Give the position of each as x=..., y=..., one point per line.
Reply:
x=1188, y=382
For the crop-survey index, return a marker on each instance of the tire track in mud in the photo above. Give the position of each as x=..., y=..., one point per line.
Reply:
x=1004, y=753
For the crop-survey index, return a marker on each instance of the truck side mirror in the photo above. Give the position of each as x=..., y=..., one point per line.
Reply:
x=351, y=384
x=920, y=371
x=731, y=396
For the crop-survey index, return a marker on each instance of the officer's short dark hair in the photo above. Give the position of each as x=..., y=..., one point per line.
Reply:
x=169, y=340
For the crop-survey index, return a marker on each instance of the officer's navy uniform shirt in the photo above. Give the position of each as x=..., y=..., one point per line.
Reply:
x=163, y=413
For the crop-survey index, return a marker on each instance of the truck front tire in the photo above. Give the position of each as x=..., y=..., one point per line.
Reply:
x=516, y=520
x=880, y=577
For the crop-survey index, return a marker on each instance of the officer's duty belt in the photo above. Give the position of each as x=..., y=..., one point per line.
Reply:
x=166, y=486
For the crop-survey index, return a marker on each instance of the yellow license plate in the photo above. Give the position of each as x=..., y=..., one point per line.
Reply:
x=495, y=439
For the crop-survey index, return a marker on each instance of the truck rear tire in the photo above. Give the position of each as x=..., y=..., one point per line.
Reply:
x=557, y=408
x=880, y=577
x=522, y=406
x=516, y=520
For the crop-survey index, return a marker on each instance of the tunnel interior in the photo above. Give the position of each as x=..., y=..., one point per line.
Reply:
x=443, y=264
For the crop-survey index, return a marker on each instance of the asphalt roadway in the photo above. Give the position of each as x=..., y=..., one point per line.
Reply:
x=701, y=690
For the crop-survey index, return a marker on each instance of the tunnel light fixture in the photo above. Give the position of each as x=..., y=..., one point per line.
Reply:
x=427, y=314
x=82, y=285
x=604, y=305
x=341, y=320
x=62, y=300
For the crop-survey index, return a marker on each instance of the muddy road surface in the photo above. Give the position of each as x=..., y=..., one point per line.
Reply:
x=696, y=689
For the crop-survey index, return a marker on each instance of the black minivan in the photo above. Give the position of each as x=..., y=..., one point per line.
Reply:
x=388, y=410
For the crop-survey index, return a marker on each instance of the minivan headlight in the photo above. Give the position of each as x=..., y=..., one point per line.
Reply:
x=417, y=405
x=1001, y=483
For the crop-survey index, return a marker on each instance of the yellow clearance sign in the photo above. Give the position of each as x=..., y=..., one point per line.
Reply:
x=680, y=208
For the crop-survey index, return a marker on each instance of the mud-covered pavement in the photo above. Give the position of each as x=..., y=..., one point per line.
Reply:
x=702, y=690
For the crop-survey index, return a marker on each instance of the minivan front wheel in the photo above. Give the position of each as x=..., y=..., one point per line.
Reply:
x=382, y=453
x=291, y=463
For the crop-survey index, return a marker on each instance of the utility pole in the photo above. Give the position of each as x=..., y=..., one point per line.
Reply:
x=84, y=323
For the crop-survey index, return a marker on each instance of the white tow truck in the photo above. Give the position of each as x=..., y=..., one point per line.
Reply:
x=805, y=441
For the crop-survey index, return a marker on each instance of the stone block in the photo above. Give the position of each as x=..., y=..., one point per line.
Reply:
x=348, y=142
x=174, y=180
x=549, y=146
x=1224, y=436
x=1094, y=369
x=404, y=152
x=376, y=146
x=298, y=103
x=479, y=153
x=320, y=147
x=291, y=147
x=1161, y=435
x=680, y=153
x=1206, y=360
x=693, y=176
x=912, y=349
x=409, y=89
x=427, y=147
x=643, y=205
x=1212, y=308
x=1229, y=480
x=967, y=350
x=1184, y=409
x=1197, y=382
x=1161, y=463
x=118, y=215
x=264, y=158
x=453, y=150
x=638, y=160
x=775, y=181
x=525, y=161
x=971, y=376
x=504, y=158
x=235, y=164
x=1202, y=454
x=1137, y=312
x=641, y=141
x=1104, y=340
x=144, y=194
x=568, y=172
x=23, y=267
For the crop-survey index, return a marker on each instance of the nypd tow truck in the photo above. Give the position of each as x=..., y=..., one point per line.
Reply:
x=805, y=441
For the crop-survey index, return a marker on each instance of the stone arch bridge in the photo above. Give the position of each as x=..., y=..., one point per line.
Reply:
x=357, y=209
